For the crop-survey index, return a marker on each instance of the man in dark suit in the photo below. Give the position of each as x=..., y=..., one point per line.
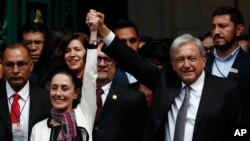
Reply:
x=33, y=102
x=128, y=32
x=124, y=111
x=213, y=106
x=228, y=59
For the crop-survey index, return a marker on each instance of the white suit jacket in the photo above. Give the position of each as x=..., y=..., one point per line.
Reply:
x=85, y=110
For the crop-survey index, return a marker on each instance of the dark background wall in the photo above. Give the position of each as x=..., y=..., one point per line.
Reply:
x=155, y=18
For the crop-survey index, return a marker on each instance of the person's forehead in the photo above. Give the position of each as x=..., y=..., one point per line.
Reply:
x=28, y=35
x=125, y=31
x=222, y=18
x=15, y=54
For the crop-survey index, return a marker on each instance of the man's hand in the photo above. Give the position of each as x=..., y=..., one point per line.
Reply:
x=92, y=20
x=95, y=21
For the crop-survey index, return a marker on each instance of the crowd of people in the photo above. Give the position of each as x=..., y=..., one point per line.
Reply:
x=117, y=85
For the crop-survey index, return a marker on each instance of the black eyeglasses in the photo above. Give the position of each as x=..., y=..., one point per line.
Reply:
x=21, y=65
x=107, y=60
x=30, y=42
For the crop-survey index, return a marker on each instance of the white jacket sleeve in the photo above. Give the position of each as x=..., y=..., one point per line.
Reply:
x=86, y=109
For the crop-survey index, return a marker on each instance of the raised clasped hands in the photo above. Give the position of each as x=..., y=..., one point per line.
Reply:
x=94, y=19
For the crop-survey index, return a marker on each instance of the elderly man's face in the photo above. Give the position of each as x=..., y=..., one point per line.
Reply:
x=188, y=63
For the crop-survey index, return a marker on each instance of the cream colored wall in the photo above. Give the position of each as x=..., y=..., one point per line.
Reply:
x=170, y=18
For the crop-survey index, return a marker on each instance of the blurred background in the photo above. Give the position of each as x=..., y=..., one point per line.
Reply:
x=155, y=18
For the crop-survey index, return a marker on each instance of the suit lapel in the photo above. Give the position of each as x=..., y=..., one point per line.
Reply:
x=4, y=108
x=206, y=97
x=173, y=92
x=210, y=61
x=34, y=103
x=239, y=62
x=113, y=97
x=163, y=99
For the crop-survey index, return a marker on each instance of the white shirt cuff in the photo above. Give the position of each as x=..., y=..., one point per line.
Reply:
x=108, y=39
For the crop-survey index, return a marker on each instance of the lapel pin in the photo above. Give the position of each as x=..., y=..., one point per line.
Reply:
x=114, y=97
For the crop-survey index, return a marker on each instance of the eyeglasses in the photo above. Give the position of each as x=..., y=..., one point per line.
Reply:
x=107, y=60
x=21, y=65
x=30, y=42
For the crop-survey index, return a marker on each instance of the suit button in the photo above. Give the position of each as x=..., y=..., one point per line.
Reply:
x=96, y=128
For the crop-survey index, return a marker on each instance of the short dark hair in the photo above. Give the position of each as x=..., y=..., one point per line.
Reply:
x=76, y=82
x=125, y=23
x=244, y=37
x=14, y=46
x=156, y=50
x=33, y=27
x=235, y=15
x=203, y=36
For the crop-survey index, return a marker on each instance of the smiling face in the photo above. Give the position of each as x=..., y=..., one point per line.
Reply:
x=106, y=68
x=188, y=62
x=62, y=92
x=74, y=56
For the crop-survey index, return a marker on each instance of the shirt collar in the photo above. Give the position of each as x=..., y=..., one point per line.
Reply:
x=231, y=55
x=197, y=86
x=106, y=88
x=24, y=92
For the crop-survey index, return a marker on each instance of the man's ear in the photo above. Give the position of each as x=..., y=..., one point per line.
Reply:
x=172, y=63
x=240, y=29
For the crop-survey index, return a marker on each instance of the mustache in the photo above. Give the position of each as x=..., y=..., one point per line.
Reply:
x=218, y=37
x=102, y=69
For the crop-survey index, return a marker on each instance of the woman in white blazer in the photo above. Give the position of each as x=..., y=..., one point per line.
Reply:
x=67, y=122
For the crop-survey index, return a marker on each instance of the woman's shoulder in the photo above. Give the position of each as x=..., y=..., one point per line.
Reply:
x=43, y=123
x=40, y=131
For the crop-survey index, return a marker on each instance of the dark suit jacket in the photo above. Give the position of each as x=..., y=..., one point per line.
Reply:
x=123, y=115
x=40, y=106
x=219, y=104
x=242, y=64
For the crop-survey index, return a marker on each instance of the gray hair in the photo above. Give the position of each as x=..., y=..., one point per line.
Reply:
x=184, y=39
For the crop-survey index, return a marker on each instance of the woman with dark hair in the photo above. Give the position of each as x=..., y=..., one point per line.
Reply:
x=53, y=55
x=74, y=52
x=72, y=119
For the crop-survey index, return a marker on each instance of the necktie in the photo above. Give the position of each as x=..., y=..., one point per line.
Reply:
x=182, y=116
x=15, y=109
x=99, y=93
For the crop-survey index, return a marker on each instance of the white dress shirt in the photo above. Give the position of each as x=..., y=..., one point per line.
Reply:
x=106, y=89
x=24, y=102
x=195, y=95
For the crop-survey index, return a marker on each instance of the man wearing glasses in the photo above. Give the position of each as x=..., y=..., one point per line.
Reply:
x=123, y=110
x=22, y=104
x=33, y=36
